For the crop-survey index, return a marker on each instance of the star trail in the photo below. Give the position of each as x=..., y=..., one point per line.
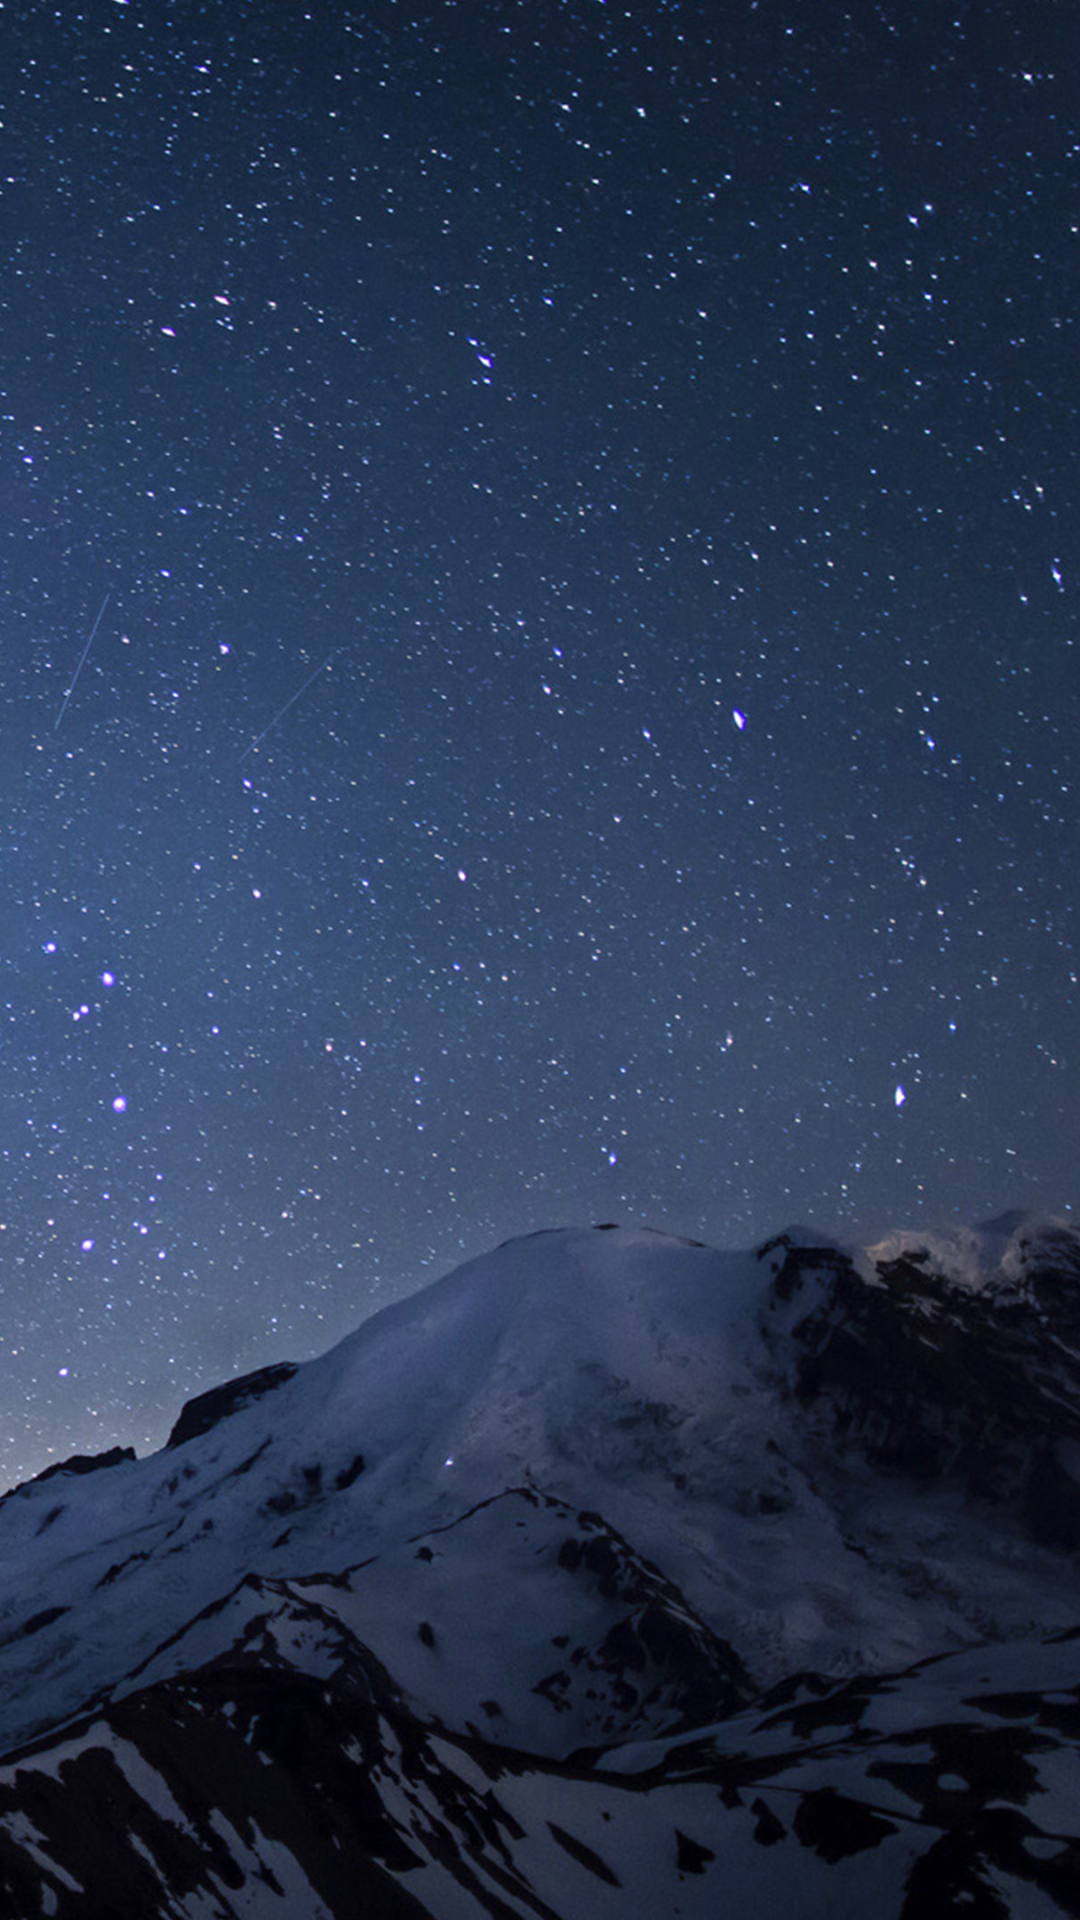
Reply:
x=568, y=514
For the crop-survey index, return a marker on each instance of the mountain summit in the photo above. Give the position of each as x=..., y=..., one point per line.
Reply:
x=610, y=1574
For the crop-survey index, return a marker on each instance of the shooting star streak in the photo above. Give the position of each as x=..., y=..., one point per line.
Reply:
x=282, y=711
x=82, y=662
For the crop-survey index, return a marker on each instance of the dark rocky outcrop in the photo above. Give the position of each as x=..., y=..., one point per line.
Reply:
x=206, y=1409
x=930, y=1376
x=76, y=1465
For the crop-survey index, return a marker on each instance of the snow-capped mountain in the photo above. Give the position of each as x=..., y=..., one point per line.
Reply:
x=609, y=1574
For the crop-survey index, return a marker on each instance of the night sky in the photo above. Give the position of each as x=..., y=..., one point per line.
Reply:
x=539, y=654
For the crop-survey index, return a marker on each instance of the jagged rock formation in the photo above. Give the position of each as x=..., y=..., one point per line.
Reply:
x=199, y=1415
x=933, y=1376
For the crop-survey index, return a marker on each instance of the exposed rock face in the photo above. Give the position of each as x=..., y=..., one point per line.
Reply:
x=199, y=1415
x=77, y=1463
x=931, y=1376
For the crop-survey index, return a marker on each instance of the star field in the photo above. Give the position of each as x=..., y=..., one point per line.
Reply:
x=539, y=638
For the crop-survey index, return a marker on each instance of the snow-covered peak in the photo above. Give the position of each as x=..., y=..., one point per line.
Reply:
x=598, y=1490
x=789, y=1433
x=996, y=1254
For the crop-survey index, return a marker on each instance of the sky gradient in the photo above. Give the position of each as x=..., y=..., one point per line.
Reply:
x=539, y=651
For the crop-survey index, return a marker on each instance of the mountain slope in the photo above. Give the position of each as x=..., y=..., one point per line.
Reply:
x=240, y=1790
x=533, y=1530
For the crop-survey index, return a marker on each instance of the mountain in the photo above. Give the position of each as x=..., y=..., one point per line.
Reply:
x=611, y=1574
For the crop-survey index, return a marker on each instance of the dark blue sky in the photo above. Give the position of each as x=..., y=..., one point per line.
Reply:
x=651, y=433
